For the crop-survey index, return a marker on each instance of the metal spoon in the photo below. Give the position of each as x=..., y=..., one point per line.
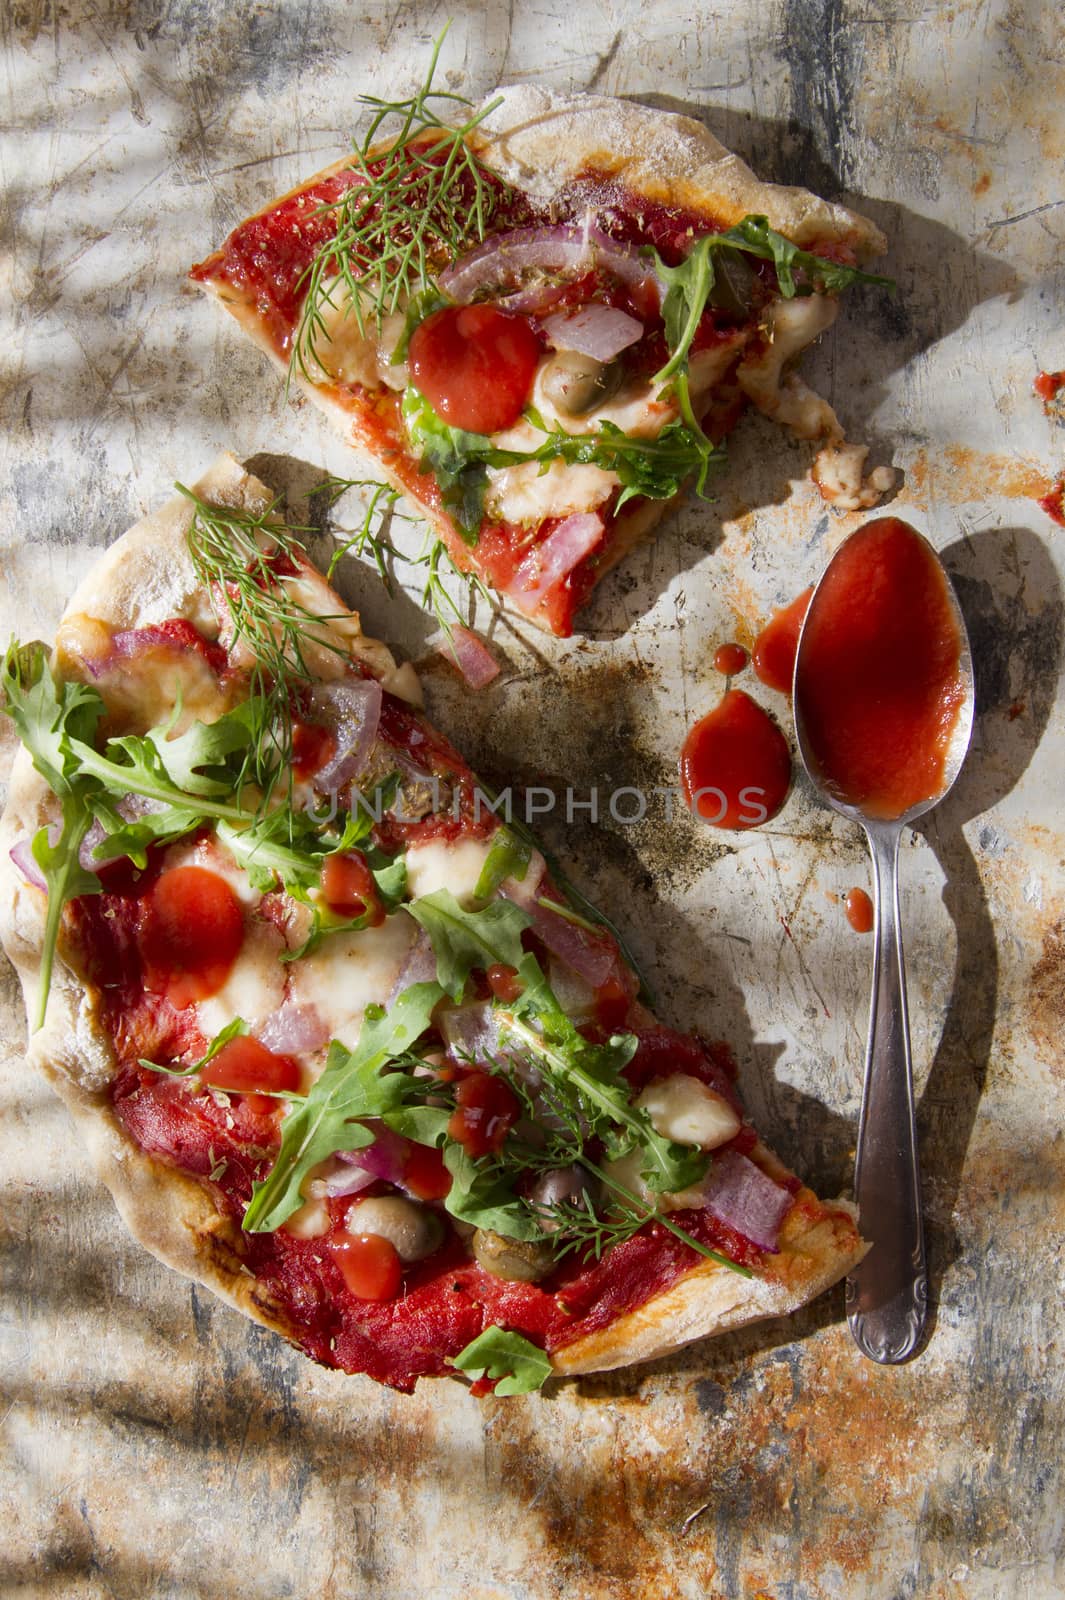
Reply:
x=887, y=1293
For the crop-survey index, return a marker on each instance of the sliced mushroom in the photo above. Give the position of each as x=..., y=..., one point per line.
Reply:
x=518, y=1260
x=575, y=384
x=413, y=1231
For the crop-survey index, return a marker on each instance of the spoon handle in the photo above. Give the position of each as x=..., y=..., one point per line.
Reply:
x=887, y=1293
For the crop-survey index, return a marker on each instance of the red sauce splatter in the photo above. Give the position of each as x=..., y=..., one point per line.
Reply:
x=1053, y=503
x=245, y=1066
x=369, y=1265
x=486, y=1109
x=475, y=365
x=348, y=887
x=1048, y=385
x=880, y=688
x=735, y=765
x=730, y=659
x=191, y=935
x=859, y=910
x=775, y=647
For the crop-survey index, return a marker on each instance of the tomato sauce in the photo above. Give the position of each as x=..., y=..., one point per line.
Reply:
x=1048, y=385
x=858, y=909
x=881, y=688
x=735, y=765
x=1053, y=503
x=191, y=935
x=730, y=659
x=776, y=645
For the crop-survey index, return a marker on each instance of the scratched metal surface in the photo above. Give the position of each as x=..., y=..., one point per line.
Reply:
x=153, y=1443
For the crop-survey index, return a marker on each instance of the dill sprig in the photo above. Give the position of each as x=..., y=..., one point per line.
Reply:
x=240, y=557
x=372, y=537
x=419, y=206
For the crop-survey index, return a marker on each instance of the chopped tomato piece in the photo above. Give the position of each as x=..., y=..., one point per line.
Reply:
x=244, y=1066
x=191, y=935
x=312, y=747
x=475, y=365
x=369, y=1266
x=348, y=886
x=505, y=983
x=486, y=1109
x=425, y=1174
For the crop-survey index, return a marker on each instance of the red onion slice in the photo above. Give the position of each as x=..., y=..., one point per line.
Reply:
x=345, y=1181
x=474, y=660
x=21, y=853
x=294, y=1030
x=549, y=563
x=386, y=1158
x=739, y=1194
x=599, y=331
x=471, y=1033
x=351, y=709
x=565, y=248
x=419, y=966
x=593, y=956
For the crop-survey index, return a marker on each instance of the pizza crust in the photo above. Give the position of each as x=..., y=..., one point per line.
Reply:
x=147, y=577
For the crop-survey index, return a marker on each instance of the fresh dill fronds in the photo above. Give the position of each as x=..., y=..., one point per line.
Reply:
x=373, y=537
x=241, y=557
x=419, y=205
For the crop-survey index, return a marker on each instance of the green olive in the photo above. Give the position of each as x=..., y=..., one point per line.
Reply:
x=517, y=1260
x=734, y=283
x=576, y=384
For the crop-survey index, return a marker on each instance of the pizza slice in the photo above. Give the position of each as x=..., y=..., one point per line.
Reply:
x=344, y=1046
x=541, y=324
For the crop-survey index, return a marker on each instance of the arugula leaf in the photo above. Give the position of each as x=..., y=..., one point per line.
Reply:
x=456, y=459
x=423, y=1124
x=48, y=714
x=355, y=1084
x=65, y=878
x=690, y=283
x=232, y=1030
x=520, y=1367
x=754, y=234
x=508, y=857
x=131, y=837
x=481, y=1195
x=593, y=1071
x=196, y=761
x=463, y=940
x=655, y=467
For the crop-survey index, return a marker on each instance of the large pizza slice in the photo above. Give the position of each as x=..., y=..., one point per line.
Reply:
x=542, y=323
x=339, y=1039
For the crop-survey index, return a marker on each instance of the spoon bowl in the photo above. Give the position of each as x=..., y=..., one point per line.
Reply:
x=887, y=1293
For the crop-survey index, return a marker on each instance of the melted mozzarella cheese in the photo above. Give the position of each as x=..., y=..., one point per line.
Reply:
x=529, y=494
x=209, y=853
x=350, y=354
x=350, y=971
x=141, y=690
x=438, y=864
x=254, y=989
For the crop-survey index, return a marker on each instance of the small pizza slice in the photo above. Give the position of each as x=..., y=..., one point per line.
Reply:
x=343, y=1045
x=541, y=324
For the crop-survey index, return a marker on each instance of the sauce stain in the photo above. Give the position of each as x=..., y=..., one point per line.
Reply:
x=774, y=649
x=881, y=687
x=735, y=765
x=729, y=659
x=858, y=909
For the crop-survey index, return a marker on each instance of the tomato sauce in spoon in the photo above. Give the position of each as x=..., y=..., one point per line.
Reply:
x=882, y=686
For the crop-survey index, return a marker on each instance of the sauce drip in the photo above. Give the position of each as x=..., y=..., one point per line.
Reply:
x=735, y=765
x=776, y=645
x=880, y=687
x=1048, y=384
x=191, y=935
x=1054, y=503
x=730, y=659
x=859, y=910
